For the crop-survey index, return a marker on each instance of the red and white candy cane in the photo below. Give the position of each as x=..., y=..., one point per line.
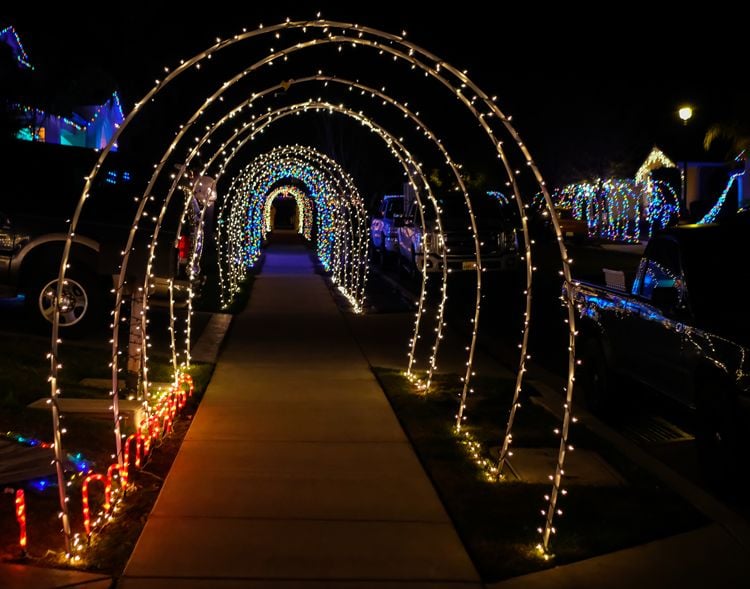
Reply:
x=21, y=517
x=85, y=498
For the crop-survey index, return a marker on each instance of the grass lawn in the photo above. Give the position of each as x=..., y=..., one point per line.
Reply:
x=93, y=438
x=23, y=379
x=498, y=521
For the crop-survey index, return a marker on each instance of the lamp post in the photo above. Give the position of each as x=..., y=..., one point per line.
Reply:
x=685, y=113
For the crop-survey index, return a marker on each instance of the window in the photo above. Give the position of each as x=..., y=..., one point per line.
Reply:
x=660, y=267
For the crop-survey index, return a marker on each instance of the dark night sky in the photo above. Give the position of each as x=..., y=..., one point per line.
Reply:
x=587, y=86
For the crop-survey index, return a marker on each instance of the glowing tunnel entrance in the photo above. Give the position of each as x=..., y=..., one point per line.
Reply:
x=329, y=209
x=303, y=215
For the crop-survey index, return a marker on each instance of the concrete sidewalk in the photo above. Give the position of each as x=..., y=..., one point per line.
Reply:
x=21, y=576
x=295, y=471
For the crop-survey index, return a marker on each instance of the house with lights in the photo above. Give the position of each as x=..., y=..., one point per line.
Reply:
x=88, y=126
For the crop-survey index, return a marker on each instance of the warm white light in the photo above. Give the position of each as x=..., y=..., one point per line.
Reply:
x=685, y=113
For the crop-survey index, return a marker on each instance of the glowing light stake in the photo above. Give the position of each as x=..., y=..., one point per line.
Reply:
x=100, y=478
x=21, y=518
x=479, y=104
x=115, y=473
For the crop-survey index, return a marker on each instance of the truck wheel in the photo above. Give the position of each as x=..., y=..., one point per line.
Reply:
x=596, y=379
x=81, y=302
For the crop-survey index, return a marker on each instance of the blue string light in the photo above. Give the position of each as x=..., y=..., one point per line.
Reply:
x=712, y=215
x=9, y=36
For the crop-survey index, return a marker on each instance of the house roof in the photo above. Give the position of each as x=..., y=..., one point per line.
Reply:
x=9, y=36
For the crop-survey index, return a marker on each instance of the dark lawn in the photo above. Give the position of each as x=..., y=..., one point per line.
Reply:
x=498, y=521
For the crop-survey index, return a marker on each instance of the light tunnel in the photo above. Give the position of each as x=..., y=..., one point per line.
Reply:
x=337, y=217
x=331, y=208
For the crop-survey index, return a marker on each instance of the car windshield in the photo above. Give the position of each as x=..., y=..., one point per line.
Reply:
x=488, y=212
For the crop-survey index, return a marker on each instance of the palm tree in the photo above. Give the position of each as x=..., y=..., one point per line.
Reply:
x=735, y=135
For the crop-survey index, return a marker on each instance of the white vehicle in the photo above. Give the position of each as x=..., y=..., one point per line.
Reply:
x=385, y=225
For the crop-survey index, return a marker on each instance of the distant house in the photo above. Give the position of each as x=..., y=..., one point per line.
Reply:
x=708, y=182
x=703, y=184
x=9, y=36
x=87, y=126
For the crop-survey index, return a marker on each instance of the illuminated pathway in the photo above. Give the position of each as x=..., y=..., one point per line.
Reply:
x=295, y=470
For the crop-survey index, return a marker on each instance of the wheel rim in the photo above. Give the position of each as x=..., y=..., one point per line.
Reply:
x=74, y=302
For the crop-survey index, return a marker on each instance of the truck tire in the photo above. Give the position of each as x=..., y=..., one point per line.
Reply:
x=596, y=379
x=82, y=295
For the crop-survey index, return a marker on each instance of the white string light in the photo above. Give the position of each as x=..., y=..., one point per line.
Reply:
x=461, y=89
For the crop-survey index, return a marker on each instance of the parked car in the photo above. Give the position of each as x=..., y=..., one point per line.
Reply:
x=681, y=332
x=385, y=224
x=498, y=237
x=572, y=229
x=33, y=230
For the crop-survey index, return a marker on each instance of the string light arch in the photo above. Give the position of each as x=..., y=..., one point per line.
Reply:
x=400, y=49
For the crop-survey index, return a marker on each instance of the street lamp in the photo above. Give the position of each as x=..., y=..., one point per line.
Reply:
x=685, y=113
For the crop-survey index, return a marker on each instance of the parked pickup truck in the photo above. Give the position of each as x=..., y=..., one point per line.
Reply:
x=34, y=213
x=498, y=237
x=384, y=226
x=682, y=331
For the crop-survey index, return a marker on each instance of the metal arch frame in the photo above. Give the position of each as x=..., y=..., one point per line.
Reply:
x=412, y=49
